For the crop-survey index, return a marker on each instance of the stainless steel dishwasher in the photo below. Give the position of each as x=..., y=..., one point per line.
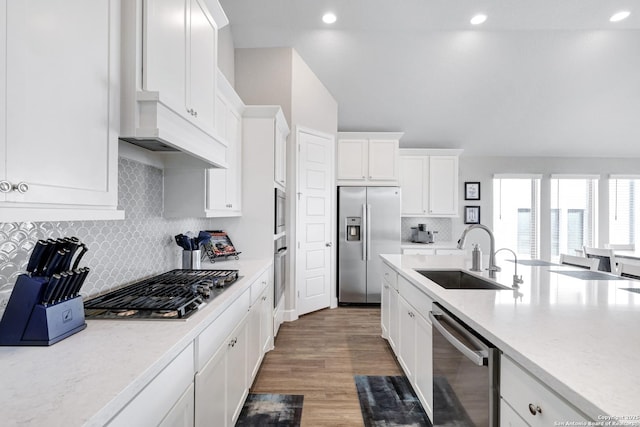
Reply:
x=465, y=374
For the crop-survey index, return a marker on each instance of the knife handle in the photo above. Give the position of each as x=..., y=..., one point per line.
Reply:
x=57, y=293
x=36, y=254
x=83, y=250
x=83, y=273
x=51, y=286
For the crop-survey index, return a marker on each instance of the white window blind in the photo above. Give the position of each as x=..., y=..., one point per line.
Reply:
x=624, y=210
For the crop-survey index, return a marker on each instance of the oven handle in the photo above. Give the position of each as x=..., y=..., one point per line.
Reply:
x=478, y=357
x=281, y=252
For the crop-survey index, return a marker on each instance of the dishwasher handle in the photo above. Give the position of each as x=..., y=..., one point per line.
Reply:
x=479, y=357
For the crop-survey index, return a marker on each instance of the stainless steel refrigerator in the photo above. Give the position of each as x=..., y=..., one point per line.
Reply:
x=369, y=225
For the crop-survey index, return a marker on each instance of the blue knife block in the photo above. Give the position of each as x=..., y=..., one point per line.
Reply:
x=27, y=322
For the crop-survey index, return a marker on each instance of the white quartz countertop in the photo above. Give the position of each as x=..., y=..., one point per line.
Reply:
x=87, y=378
x=435, y=245
x=580, y=337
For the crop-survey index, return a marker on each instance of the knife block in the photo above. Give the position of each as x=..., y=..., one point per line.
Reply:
x=26, y=322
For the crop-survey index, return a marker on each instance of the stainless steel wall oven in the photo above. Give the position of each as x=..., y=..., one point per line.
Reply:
x=280, y=202
x=279, y=269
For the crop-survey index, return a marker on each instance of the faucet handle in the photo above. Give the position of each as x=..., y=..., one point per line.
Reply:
x=517, y=280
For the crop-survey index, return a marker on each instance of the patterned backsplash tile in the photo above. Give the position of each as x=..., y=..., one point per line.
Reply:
x=440, y=226
x=119, y=251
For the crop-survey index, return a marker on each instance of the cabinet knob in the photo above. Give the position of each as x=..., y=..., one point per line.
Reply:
x=195, y=113
x=21, y=187
x=534, y=409
x=5, y=186
x=328, y=244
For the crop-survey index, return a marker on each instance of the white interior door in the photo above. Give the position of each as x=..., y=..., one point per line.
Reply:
x=315, y=211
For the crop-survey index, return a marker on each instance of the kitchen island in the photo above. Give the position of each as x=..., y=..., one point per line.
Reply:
x=578, y=337
x=90, y=377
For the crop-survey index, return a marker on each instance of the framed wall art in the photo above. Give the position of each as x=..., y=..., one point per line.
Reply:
x=472, y=191
x=472, y=214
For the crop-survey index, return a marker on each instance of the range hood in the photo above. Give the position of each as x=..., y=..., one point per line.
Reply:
x=159, y=128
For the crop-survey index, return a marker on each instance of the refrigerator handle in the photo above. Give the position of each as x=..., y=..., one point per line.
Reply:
x=368, y=232
x=365, y=226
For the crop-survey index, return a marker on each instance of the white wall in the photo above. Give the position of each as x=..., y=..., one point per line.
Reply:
x=483, y=168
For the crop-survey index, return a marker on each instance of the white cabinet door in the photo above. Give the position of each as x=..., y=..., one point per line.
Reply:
x=165, y=51
x=61, y=102
x=211, y=392
x=383, y=160
x=266, y=318
x=394, y=321
x=414, y=184
x=509, y=418
x=424, y=363
x=280, y=160
x=407, y=344
x=201, y=65
x=254, y=345
x=353, y=159
x=443, y=185
x=237, y=388
x=182, y=414
x=385, y=308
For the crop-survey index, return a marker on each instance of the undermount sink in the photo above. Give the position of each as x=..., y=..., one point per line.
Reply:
x=456, y=279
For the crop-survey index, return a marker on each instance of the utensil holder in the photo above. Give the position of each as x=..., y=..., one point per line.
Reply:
x=27, y=322
x=191, y=260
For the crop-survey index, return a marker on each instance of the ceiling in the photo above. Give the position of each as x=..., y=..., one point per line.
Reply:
x=538, y=78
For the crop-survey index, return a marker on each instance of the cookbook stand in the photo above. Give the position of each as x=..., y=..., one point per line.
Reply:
x=27, y=322
x=220, y=246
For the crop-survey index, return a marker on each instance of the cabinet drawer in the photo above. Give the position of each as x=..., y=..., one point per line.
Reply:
x=390, y=275
x=419, y=300
x=151, y=405
x=259, y=285
x=508, y=417
x=213, y=336
x=519, y=389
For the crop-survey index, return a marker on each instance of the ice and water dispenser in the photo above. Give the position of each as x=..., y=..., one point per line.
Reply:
x=354, y=227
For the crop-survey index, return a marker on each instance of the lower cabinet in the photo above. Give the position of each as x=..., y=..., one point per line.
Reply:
x=221, y=386
x=405, y=312
x=182, y=413
x=525, y=401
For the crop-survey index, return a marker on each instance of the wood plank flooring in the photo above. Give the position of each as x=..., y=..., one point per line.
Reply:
x=318, y=355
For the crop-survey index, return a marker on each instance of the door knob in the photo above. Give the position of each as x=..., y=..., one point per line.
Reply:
x=328, y=244
x=5, y=186
x=21, y=187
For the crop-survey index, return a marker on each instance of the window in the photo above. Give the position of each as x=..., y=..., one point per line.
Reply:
x=624, y=210
x=515, y=213
x=573, y=213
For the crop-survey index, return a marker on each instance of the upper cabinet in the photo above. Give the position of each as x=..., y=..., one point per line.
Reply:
x=169, y=77
x=429, y=182
x=280, y=153
x=213, y=192
x=59, y=110
x=368, y=158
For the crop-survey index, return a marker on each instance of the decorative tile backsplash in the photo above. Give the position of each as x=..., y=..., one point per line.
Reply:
x=119, y=251
x=442, y=227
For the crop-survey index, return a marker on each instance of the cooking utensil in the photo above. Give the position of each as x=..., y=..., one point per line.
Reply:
x=54, y=281
x=83, y=250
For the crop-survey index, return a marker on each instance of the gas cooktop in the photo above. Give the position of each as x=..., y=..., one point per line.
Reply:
x=176, y=294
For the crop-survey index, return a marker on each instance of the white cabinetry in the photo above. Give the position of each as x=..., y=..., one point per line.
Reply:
x=405, y=310
x=530, y=401
x=182, y=413
x=59, y=110
x=368, y=158
x=280, y=153
x=169, y=76
x=156, y=403
x=260, y=323
x=193, y=190
x=429, y=182
x=221, y=384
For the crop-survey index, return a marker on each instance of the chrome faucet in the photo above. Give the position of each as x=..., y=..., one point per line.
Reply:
x=493, y=268
x=517, y=280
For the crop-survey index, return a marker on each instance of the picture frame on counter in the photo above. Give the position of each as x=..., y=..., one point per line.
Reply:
x=472, y=214
x=472, y=191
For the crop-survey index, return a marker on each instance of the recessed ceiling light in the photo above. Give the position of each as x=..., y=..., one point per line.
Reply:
x=620, y=16
x=478, y=19
x=329, y=18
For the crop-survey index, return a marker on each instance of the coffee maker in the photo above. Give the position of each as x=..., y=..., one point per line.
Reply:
x=420, y=234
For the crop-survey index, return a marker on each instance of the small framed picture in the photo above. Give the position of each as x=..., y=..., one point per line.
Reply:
x=472, y=214
x=472, y=191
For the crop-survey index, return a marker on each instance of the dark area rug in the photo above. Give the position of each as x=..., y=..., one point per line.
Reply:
x=271, y=410
x=388, y=401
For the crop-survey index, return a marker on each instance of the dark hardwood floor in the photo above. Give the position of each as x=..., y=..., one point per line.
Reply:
x=318, y=355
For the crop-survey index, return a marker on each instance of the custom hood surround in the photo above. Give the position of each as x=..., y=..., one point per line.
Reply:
x=169, y=79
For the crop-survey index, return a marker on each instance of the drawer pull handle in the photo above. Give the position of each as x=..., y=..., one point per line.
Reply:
x=534, y=409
